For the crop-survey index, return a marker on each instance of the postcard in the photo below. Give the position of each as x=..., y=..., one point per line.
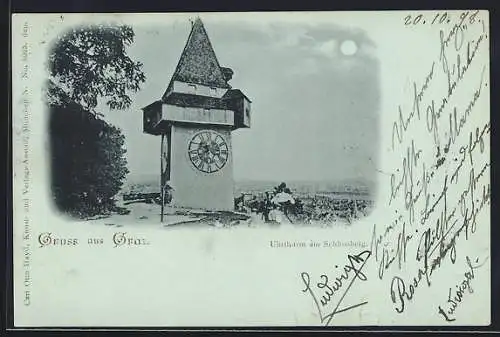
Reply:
x=259, y=169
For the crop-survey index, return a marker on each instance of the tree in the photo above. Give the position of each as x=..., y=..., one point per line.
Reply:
x=88, y=63
x=88, y=155
x=88, y=161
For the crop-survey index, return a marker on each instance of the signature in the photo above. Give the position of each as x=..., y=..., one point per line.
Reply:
x=457, y=294
x=336, y=288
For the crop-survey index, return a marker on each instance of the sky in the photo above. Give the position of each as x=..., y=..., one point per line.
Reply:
x=315, y=94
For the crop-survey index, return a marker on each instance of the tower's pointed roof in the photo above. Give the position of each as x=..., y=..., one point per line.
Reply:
x=198, y=63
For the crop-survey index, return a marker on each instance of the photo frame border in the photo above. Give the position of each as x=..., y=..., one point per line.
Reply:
x=25, y=6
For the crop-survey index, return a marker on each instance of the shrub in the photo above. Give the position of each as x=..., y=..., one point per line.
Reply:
x=88, y=161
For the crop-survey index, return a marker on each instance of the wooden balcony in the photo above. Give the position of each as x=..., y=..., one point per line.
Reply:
x=173, y=113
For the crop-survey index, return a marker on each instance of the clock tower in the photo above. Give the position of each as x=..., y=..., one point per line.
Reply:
x=195, y=119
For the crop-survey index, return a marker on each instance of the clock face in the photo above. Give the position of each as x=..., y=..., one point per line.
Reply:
x=208, y=151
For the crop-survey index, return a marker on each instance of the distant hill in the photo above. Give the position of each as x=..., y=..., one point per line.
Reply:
x=151, y=183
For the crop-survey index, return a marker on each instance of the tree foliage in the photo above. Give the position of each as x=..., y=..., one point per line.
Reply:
x=91, y=62
x=87, y=153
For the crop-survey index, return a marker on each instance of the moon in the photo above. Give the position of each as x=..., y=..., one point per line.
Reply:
x=348, y=47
